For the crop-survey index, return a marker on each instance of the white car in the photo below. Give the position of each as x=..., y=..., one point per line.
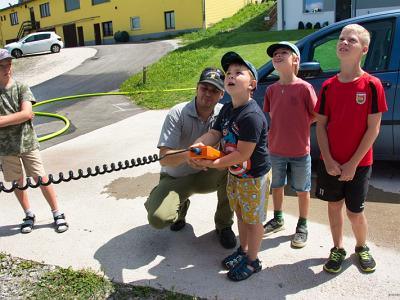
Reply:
x=36, y=42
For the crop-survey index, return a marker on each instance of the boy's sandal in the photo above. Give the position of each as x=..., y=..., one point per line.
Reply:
x=232, y=260
x=60, y=223
x=27, y=225
x=244, y=269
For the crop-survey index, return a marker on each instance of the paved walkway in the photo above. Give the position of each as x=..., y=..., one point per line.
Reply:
x=109, y=231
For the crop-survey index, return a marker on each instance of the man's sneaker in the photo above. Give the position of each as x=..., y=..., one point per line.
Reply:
x=367, y=262
x=274, y=225
x=232, y=260
x=181, y=222
x=300, y=237
x=334, y=263
x=227, y=238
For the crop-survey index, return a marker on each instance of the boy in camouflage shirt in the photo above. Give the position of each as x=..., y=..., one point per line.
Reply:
x=19, y=147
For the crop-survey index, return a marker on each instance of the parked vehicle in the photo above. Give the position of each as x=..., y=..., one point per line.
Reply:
x=36, y=42
x=319, y=62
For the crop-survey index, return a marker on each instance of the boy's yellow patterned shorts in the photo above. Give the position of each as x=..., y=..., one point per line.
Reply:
x=249, y=196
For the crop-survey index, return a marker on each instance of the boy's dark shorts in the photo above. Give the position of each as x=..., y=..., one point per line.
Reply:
x=330, y=189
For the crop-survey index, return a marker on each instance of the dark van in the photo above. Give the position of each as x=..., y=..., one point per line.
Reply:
x=319, y=62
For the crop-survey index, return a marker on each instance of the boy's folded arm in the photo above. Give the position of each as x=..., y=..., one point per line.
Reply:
x=211, y=138
x=25, y=114
x=322, y=136
x=332, y=167
x=243, y=152
x=370, y=135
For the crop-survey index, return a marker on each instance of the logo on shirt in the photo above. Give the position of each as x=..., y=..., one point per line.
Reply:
x=361, y=97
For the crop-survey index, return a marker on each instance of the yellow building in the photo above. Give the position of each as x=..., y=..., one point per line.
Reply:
x=94, y=22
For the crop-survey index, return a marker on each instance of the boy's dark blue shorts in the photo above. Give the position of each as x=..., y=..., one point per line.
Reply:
x=354, y=192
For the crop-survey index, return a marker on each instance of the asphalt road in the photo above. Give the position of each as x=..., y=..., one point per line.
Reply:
x=104, y=72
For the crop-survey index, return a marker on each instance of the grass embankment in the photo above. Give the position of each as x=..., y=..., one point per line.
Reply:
x=243, y=33
x=25, y=279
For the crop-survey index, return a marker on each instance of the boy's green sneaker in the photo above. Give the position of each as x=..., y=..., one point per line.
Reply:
x=334, y=263
x=274, y=225
x=367, y=262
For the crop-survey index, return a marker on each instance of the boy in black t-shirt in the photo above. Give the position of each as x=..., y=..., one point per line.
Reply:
x=241, y=128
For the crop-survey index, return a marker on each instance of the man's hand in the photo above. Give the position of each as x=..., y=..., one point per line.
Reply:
x=194, y=162
x=202, y=163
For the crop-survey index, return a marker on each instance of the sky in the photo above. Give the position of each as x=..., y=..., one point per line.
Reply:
x=4, y=3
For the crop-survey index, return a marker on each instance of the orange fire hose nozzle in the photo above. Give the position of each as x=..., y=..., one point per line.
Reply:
x=206, y=152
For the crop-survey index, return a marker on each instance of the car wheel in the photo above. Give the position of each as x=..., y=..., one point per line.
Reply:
x=16, y=53
x=55, y=48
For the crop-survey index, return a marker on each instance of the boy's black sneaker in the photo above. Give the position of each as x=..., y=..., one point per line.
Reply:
x=334, y=263
x=274, y=225
x=365, y=259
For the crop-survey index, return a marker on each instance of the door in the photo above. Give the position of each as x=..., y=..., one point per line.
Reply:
x=97, y=34
x=43, y=42
x=343, y=10
x=70, y=39
x=33, y=20
x=396, y=108
x=28, y=45
x=81, y=40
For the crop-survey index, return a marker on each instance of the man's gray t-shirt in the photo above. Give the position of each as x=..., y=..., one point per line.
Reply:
x=181, y=128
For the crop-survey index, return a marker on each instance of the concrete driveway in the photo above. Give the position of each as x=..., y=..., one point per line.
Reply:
x=109, y=231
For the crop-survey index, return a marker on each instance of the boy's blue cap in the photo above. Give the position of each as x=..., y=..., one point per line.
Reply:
x=232, y=57
x=271, y=49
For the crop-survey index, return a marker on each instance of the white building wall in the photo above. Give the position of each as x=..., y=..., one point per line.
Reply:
x=293, y=14
x=367, y=11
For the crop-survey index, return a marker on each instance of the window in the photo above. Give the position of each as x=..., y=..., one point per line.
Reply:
x=94, y=2
x=377, y=58
x=14, y=18
x=169, y=19
x=107, y=28
x=30, y=39
x=135, y=23
x=72, y=4
x=313, y=6
x=43, y=36
x=44, y=9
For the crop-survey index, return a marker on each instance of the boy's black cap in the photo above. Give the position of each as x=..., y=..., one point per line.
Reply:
x=232, y=57
x=213, y=76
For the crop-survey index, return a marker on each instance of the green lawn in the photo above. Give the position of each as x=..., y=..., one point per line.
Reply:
x=181, y=68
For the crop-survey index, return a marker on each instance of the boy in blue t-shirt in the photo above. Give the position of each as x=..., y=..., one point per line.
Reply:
x=241, y=128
